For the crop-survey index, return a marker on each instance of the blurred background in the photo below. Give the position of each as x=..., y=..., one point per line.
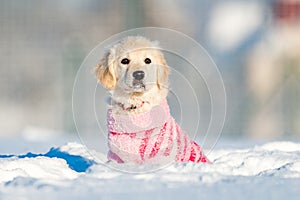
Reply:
x=255, y=44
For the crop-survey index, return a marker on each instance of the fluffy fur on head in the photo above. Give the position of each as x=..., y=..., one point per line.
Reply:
x=127, y=92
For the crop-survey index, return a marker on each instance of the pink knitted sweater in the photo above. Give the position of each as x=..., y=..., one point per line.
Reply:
x=151, y=137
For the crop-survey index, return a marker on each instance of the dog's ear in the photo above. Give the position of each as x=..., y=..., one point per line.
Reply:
x=106, y=71
x=162, y=72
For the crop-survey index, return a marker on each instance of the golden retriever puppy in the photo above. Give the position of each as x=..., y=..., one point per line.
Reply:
x=141, y=129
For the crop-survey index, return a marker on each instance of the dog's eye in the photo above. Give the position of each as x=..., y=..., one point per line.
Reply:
x=147, y=60
x=125, y=61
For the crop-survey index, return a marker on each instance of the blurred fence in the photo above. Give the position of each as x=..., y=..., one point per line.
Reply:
x=255, y=45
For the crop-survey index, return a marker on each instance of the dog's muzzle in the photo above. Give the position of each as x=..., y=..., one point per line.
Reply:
x=138, y=79
x=138, y=75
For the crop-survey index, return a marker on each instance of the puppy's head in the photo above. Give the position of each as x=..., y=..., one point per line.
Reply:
x=134, y=65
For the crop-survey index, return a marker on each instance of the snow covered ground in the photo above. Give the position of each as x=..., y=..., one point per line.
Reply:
x=71, y=171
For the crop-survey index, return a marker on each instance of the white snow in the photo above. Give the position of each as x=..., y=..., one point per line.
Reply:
x=271, y=170
x=39, y=168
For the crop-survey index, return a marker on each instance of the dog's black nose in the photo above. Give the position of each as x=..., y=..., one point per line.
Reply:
x=138, y=75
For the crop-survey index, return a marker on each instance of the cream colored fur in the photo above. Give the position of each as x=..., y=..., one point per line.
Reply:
x=113, y=75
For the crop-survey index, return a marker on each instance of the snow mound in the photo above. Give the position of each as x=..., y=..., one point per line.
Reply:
x=39, y=168
x=281, y=146
x=73, y=171
x=66, y=162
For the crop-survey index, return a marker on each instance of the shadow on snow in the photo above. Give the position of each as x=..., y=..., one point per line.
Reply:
x=75, y=162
